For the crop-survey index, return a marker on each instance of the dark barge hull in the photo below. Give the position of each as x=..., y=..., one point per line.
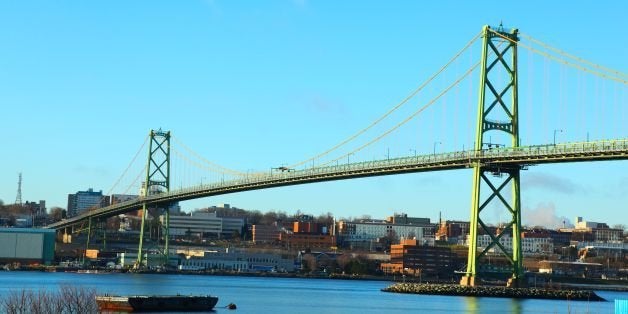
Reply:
x=156, y=303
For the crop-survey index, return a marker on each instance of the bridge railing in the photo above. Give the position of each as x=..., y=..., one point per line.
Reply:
x=549, y=150
x=533, y=153
x=546, y=151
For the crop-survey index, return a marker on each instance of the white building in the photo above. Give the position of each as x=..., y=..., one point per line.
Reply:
x=528, y=245
x=150, y=260
x=203, y=224
x=363, y=231
x=237, y=261
x=195, y=224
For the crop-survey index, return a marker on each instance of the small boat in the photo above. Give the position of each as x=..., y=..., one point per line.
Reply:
x=156, y=303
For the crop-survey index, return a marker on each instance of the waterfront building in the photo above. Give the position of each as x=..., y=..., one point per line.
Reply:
x=571, y=269
x=218, y=261
x=237, y=261
x=409, y=257
x=84, y=200
x=317, y=260
x=26, y=245
x=23, y=221
x=150, y=260
x=611, y=252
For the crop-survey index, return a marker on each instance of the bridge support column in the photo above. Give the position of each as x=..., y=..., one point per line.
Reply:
x=167, y=236
x=89, y=234
x=497, y=114
x=157, y=178
x=140, y=255
x=104, y=234
x=67, y=236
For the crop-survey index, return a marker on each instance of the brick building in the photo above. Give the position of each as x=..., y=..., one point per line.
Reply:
x=410, y=258
x=265, y=233
x=306, y=240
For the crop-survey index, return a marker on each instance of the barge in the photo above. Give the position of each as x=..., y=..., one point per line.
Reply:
x=156, y=303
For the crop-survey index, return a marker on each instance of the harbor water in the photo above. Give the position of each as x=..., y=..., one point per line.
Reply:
x=296, y=295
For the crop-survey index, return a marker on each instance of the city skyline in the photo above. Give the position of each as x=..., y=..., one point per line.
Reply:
x=256, y=86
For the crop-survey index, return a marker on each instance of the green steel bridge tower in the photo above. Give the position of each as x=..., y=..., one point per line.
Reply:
x=157, y=181
x=498, y=114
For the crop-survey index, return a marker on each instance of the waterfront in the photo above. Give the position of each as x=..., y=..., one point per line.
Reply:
x=290, y=295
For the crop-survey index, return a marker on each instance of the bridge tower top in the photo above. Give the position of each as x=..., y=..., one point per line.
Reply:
x=498, y=98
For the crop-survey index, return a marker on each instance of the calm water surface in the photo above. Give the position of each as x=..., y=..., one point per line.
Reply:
x=291, y=295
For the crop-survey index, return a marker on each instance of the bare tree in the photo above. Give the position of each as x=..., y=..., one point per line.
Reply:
x=68, y=300
x=309, y=262
x=56, y=214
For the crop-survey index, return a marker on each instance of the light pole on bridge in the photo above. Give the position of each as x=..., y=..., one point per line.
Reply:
x=415, y=155
x=556, y=130
x=434, y=151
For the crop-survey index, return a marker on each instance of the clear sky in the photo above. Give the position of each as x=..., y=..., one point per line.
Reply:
x=252, y=85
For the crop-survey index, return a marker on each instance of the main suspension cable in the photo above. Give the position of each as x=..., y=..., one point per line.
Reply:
x=416, y=113
x=214, y=165
x=557, y=59
x=573, y=57
x=128, y=167
x=201, y=166
x=399, y=105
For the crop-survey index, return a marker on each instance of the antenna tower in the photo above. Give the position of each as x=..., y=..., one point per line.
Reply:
x=18, y=198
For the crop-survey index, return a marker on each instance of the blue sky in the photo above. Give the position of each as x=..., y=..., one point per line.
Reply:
x=252, y=85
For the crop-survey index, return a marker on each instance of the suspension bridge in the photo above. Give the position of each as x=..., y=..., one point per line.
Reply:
x=496, y=156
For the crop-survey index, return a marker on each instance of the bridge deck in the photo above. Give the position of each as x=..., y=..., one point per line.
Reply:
x=498, y=157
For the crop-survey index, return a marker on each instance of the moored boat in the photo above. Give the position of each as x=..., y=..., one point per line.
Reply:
x=156, y=303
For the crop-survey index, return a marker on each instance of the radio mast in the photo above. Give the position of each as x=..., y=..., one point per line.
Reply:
x=18, y=198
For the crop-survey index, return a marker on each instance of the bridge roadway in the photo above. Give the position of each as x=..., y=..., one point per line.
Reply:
x=498, y=157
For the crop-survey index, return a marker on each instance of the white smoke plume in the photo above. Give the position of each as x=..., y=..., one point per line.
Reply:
x=545, y=215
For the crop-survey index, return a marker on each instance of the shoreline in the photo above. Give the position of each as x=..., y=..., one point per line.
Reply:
x=556, y=286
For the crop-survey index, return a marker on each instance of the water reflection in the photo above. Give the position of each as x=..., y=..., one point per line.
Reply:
x=496, y=305
x=516, y=306
x=472, y=304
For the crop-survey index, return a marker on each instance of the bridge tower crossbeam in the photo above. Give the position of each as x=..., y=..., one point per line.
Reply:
x=497, y=97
